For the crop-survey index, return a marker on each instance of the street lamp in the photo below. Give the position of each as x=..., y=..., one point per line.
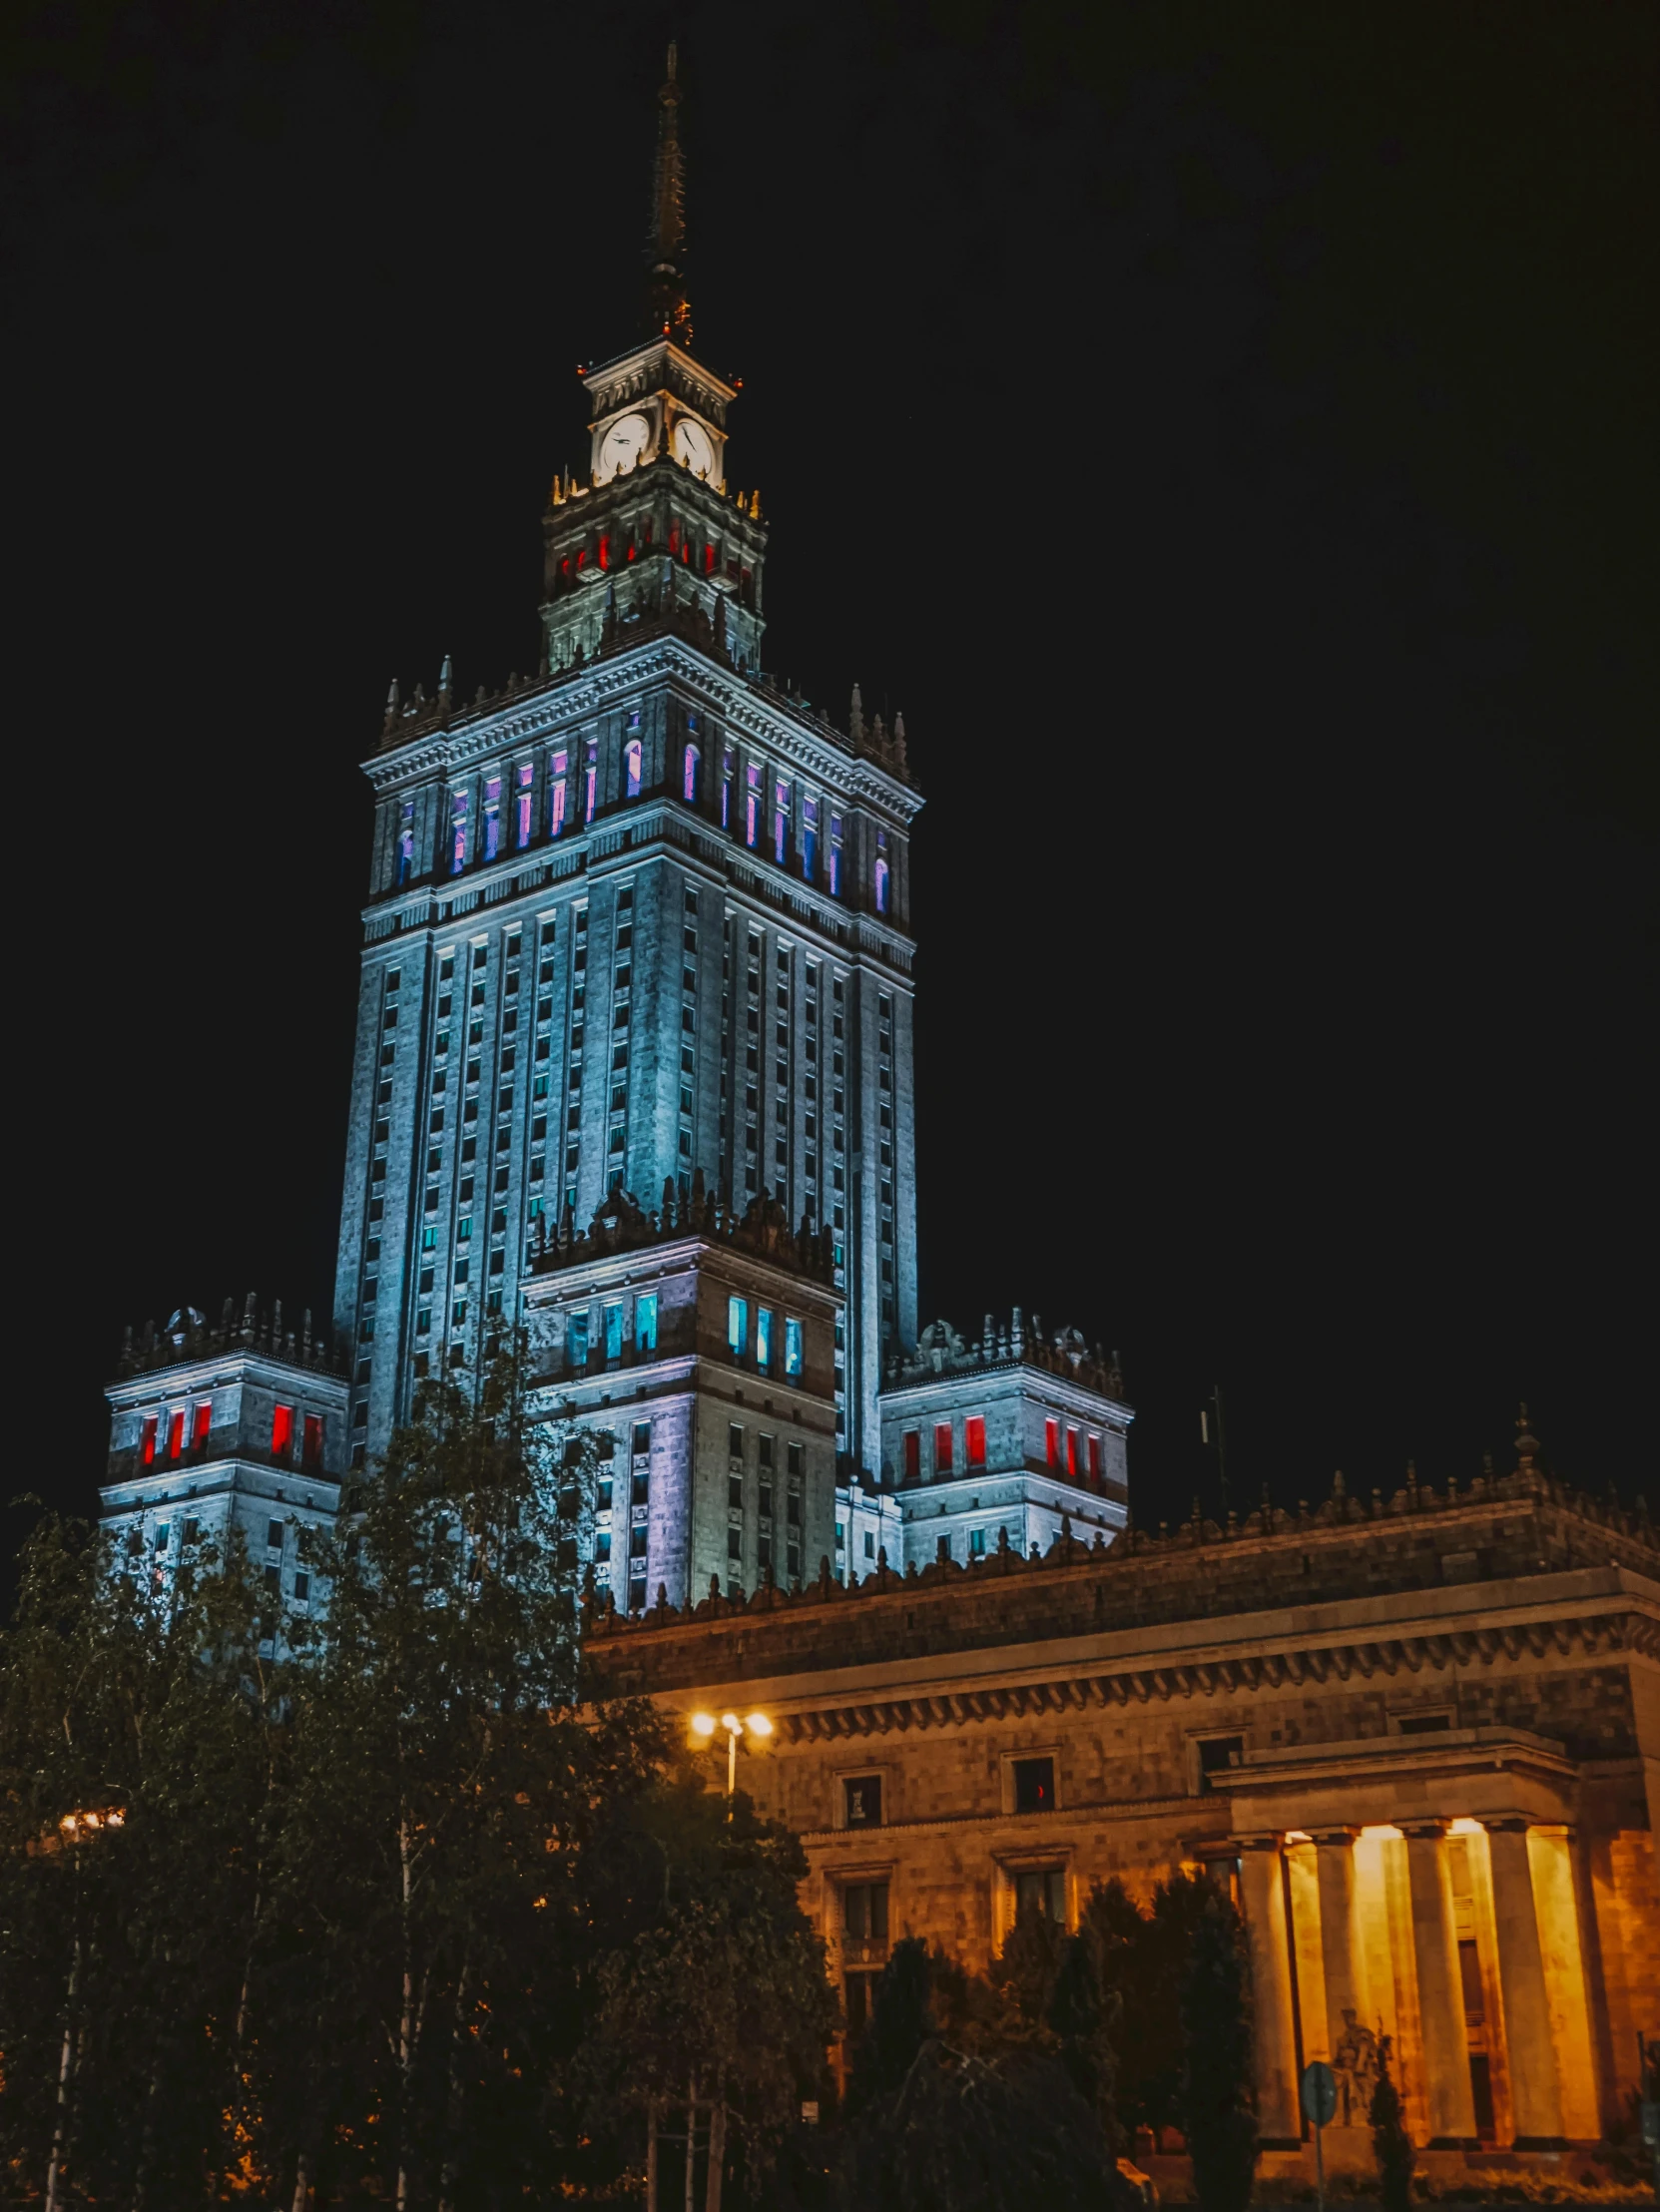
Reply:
x=705, y=1725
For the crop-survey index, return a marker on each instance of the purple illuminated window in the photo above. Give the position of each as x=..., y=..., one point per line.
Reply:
x=752, y=804
x=810, y=838
x=527, y=771
x=406, y=844
x=458, y=832
x=780, y=822
x=556, y=793
x=492, y=817
x=590, y=778
x=689, y=776
x=631, y=766
x=881, y=874
x=835, y=857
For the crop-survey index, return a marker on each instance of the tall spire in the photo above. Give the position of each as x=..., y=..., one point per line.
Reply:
x=671, y=311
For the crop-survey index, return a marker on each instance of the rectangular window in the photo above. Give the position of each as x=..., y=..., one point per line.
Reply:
x=1051, y=1443
x=942, y=1447
x=734, y=1440
x=147, y=1448
x=1072, y=1453
x=576, y=1340
x=522, y=804
x=810, y=838
x=645, y=1323
x=492, y=816
x=590, y=778
x=780, y=822
x=458, y=832
x=881, y=878
x=752, y=804
x=281, y=1430
x=862, y=1801
x=1040, y=1894
x=973, y=1441
x=1095, y=1458
x=914, y=1455
x=557, y=768
x=791, y=1348
x=176, y=1436
x=762, y=1338
x=632, y=766
x=1215, y=1755
x=1034, y=1785
x=864, y=1911
x=273, y=1535
x=835, y=879
x=310, y=1457
x=738, y=1324
x=202, y=1422
x=614, y=1331
x=976, y=1543
x=642, y=1439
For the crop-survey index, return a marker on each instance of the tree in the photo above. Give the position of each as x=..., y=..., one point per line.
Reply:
x=1217, y=2104
x=1391, y=2143
x=901, y=2021
x=1144, y=1963
x=722, y=1999
x=1081, y=2017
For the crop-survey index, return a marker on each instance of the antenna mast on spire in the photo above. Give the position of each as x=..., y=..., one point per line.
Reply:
x=671, y=311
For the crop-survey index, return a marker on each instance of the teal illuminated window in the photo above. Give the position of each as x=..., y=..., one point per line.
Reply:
x=762, y=1338
x=645, y=1323
x=738, y=1324
x=792, y=1347
x=614, y=1331
x=576, y=1340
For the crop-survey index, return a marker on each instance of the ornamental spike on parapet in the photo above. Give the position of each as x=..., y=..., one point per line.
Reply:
x=855, y=718
x=446, y=678
x=392, y=700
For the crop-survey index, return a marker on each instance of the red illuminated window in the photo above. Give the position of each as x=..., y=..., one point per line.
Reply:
x=281, y=1431
x=973, y=1441
x=311, y=1449
x=914, y=1455
x=709, y=560
x=176, y=1435
x=1051, y=1442
x=1095, y=1458
x=204, y=1422
x=674, y=537
x=1072, y=1453
x=942, y=1447
x=605, y=552
x=147, y=1449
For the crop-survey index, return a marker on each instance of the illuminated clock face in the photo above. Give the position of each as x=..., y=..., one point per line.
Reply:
x=622, y=444
x=692, y=447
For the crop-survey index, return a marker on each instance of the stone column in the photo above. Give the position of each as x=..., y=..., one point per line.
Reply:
x=1440, y=1996
x=1262, y=1890
x=1342, y=1955
x=1556, y=1902
x=1535, y=2095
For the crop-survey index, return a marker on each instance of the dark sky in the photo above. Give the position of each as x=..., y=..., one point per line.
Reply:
x=1227, y=435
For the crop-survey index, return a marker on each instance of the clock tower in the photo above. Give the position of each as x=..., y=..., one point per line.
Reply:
x=655, y=534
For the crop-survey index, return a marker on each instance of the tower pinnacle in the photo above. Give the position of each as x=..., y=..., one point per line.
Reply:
x=670, y=310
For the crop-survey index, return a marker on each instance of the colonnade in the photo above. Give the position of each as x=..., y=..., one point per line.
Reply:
x=1459, y=1939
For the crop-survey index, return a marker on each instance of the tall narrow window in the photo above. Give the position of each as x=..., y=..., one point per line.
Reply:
x=558, y=767
x=1095, y=1458
x=147, y=1448
x=201, y=1422
x=492, y=816
x=590, y=778
x=1051, y=1442
x=311, y=1454
x=457, y=833
x=738, y=1324
x=576, y=1340
x=1072, y=1453
x=752, y=804
x=631, y=766
x=780, y=822
x=281, y=1430
x=942, y=1447
x=176, y=1436
x=689, y=774
x=762, y=1338
x=614, y=1331
x=406, y=843
x=725, y=789
x=645, y=1323
x=973, y=1441
x=810, y=838
x=914, y=1455
x=791, y=1348
x=881, y=871
x=835, y=855
x=526, y=772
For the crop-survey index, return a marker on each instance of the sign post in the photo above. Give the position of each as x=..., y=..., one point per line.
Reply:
x=1320, y=2104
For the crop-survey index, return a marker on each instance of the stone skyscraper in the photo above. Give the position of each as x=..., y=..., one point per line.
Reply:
x=640, y=921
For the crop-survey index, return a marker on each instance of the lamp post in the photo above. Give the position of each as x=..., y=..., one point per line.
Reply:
x=705, y=1725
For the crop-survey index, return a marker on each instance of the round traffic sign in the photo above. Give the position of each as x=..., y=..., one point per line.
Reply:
x=1319, y=2092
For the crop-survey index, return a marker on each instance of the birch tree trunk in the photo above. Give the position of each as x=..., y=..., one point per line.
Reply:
x=452, y=2147
x=66, y=2074
x=303, y=2182
x=716, y=2149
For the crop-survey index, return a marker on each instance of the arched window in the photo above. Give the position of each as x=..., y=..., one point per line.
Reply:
x=631, y=766
x=689, y=774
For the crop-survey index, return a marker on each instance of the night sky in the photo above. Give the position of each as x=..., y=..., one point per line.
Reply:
x=1229, y=436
